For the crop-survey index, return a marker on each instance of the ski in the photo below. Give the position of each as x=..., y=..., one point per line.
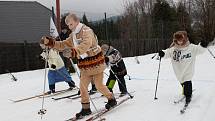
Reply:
x=180, y=100
x=46, y=94
x=78, y=96
x=116, y=95
x=55, y=94
x=182, y=111
x=74, y=96
x=103, y=111
x=75, y=119
x=64, y=97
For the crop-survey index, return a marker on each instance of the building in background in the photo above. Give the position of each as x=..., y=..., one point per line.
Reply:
x=22, y=24
x=23, y=21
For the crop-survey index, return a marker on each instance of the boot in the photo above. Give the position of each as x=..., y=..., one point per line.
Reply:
x=51, y=89
x=71, y=84
x=84, y=111
x=93, y=90
x=111, y=103
x=122, y=94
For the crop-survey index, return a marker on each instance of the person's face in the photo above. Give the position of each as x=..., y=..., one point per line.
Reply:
x=180, y=41
x=104, y=48
x=72, y=24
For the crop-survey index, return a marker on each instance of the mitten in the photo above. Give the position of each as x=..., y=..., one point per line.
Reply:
x=161, y=53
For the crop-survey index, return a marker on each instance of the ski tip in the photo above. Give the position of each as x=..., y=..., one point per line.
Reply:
x=11, y=100
x=182, y=111
x=15, y=79
x=103, y=119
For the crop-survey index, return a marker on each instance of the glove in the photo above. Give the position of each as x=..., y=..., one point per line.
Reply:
x=53, y=66
x=161, y=53
x=42, y=56
x=68, y=52
x=204, y=44
x=47, y=41
x=106, y=59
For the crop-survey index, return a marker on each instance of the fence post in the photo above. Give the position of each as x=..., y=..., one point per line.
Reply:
x=26, y=55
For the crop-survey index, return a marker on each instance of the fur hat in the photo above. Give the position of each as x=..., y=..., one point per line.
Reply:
x=180, y=35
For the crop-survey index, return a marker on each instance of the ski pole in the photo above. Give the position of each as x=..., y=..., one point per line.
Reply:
x=13, y=77
x=155, y=98
x=106, y=74
x=121, y=83
x=211, y=53
x=154, y=55
x=74, y=67
x=129, y=77
x=42, y=110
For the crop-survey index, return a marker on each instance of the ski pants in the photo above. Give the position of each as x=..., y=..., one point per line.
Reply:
x=121, y=82
x=98, y=81
x=187, y=89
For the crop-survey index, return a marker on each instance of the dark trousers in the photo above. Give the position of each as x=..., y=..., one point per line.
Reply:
x=111, y=82
x=187, y=90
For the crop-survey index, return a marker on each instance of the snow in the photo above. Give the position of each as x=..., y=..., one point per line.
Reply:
x=142, y=107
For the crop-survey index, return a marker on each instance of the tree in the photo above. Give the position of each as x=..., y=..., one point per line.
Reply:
x=84, y=20
x=184, y=20
x=204, y=15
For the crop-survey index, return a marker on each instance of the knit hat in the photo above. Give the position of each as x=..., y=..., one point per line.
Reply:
x=106, y=48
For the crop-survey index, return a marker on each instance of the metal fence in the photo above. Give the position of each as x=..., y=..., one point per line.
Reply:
x=20, y=57
x=129, y=48
x=24, y=56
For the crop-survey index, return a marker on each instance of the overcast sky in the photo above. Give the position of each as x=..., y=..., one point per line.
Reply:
x=112, y=7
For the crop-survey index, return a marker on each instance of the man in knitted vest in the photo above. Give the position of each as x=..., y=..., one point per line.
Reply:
x=82, y=44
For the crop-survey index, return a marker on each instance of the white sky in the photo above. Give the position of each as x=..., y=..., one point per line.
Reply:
x=113, y=7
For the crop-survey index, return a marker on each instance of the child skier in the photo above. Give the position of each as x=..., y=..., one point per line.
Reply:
x=57, y=71
x=183, y=57
x=118, y=69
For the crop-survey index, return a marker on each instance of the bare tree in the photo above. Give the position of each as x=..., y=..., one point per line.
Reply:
x=203, y=11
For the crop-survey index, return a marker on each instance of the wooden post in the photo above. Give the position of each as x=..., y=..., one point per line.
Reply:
x=58, y=15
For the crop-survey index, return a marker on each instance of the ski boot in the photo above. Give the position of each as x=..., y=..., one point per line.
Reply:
x=71, y=85
x=51, y=91
x=93, y=90
x=187, y=101
x=111, y=103
x=84, y=111
x=122, y=94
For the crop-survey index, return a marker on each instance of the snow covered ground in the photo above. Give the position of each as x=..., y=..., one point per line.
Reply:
x=142, y=107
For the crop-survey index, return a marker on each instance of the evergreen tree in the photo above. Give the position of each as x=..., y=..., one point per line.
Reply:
x=164, y=21
x=84, y=20
x=184, y=20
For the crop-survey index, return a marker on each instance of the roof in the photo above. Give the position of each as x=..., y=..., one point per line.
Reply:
x=23, y=20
